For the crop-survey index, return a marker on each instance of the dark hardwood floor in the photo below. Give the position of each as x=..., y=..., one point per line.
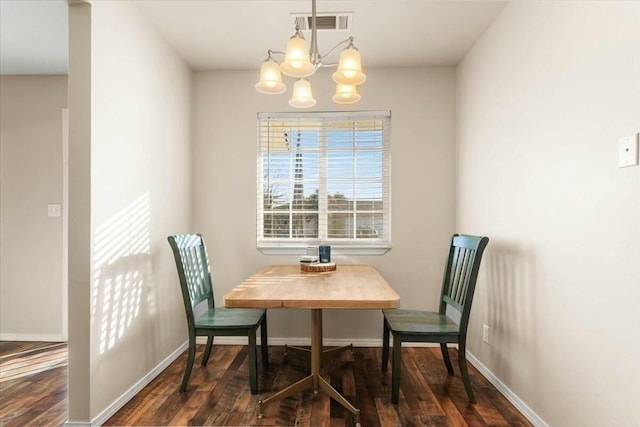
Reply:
x=33, y=391
x=33, y=383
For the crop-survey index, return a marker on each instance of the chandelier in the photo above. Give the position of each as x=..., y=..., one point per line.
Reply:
x=300, y=62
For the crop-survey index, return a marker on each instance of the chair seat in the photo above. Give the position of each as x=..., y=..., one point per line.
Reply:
x=420, y=322
x=233, y=318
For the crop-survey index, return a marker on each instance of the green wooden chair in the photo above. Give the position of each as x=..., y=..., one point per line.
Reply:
x=458, y=285
x=195, y=281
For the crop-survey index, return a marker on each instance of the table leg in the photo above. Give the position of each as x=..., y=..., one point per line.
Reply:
x=324, y=354
x=316, y=346
x=302, y=385
x=313, y=381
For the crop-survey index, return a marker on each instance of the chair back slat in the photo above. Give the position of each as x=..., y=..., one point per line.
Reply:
x=458, y=279
x=461, y=279
x=465, y=277
x=192, y=263
x=452, y=286
x=461, y=273
x=196, y=273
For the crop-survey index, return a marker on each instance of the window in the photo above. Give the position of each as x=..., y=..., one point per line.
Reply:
x=323, y=178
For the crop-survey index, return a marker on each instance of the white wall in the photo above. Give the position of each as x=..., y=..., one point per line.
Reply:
x=30, y=241
x=422, y=104
x=140, y=193
x=542, y=99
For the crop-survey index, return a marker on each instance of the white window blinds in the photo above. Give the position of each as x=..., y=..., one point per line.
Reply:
x=323, y=178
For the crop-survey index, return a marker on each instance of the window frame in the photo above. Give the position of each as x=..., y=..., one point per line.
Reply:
x=347, y=246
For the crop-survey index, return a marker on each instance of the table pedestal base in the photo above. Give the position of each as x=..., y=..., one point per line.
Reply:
x=314, y=381
x=327, y=354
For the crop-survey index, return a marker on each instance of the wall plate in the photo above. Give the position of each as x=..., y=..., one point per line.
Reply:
x=628, y=151
x=54, y=210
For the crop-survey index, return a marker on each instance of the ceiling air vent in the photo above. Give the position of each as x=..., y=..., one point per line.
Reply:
x=324, y=21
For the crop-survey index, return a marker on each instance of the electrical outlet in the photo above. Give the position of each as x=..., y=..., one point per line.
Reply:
x=485, y=333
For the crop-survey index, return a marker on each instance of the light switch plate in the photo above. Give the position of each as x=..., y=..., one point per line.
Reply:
x=628, y=151
x=54, y=210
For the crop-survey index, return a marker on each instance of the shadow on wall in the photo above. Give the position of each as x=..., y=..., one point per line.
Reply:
x=122, y=271
x=512, y=312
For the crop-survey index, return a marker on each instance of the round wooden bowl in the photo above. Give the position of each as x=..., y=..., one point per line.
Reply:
x=317, y=267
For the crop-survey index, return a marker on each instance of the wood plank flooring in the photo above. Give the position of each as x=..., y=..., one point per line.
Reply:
x=33, y=391
x=219, y=393
x=33, y=384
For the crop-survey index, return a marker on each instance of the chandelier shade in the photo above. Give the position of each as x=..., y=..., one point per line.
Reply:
x=296, y=60
x=302, y=95
x=346, y=94
x=270, y=78
x=349, y=68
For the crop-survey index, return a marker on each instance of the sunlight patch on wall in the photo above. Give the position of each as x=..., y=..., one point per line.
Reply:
x=121, y=259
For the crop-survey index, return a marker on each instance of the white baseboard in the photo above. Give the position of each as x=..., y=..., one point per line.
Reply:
x=506, y=392
x=136, y=388
x=357, y=342
x=32, y=337
x=293, y=341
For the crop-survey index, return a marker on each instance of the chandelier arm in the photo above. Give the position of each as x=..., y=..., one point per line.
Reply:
x=343, y=42
x=270, y=54
x=329, y=65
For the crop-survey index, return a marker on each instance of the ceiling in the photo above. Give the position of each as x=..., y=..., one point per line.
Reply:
x=236, y=34
x=33, y=37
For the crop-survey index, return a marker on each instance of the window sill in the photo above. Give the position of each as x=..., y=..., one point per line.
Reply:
x=335, y=250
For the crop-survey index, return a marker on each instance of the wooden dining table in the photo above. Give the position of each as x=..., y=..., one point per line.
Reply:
x=286, y=286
